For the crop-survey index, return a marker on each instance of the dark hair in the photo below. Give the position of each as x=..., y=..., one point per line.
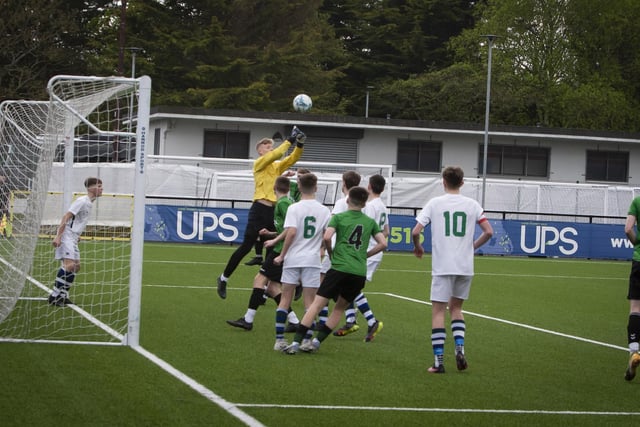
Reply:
x=453, y=176
x=351, y=179
x=307, y=183
x=358, y=196
x=282, y=184
x=91, y=181
x=301, y=171
x=377, y=183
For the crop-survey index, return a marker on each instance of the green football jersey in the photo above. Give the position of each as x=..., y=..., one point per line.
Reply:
x=279, y=213
x=634, y=210
x=353, y=231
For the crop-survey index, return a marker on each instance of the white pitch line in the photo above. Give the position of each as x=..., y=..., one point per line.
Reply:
x=231, y=408
x=509, y=322
x=454, y=410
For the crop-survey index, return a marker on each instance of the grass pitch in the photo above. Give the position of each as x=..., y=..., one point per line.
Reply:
x=546, y=345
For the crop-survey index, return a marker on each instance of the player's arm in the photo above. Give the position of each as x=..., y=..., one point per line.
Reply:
x=487, y=233
x=418, y=250
x=381, y=244
x=326, y=239
x=630, y=229
x=61, y=227
x=290, y=234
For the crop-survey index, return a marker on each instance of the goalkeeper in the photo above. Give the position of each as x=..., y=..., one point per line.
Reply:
x=71, y=227
x=266, y=168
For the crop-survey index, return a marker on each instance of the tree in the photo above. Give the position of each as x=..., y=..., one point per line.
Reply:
x=41, y=38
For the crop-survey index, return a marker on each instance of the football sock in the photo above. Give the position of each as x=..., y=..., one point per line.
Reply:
x=300, y=333
x=323, y=333
x=458, y=329
x=363, y=305
x=249, y=315
x=256, y=299
x=281, y=319
x=350, y=314
x=224, y=278
x=438, y=336
x=323, y=315
x=63, y=282
x=277, y=298
x=292, y=318
x=633, y=331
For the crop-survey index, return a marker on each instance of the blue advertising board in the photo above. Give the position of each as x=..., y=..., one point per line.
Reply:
x=511, y=237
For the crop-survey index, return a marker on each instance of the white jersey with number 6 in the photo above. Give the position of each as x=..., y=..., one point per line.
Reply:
x=310, y=219
x=453, y=219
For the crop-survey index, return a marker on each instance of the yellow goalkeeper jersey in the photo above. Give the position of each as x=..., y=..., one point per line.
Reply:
x=267, y=168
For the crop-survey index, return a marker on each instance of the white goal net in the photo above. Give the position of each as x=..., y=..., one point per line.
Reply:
x=88, y=123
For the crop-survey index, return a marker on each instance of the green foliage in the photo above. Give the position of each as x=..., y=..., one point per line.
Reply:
x=568, y=63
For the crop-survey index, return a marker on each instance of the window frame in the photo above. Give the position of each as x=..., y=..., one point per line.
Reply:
x=421, y=150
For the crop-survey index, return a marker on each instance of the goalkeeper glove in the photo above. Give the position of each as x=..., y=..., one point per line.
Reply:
x=297, y=136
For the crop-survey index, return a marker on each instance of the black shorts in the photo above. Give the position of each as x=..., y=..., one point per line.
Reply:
x=269, y=269
x=336, y=283
x=634, y=281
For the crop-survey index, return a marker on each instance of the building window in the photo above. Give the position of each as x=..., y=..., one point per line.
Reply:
x=607, y=166
x=226, y=144
x=515, y=160
x=419, y=156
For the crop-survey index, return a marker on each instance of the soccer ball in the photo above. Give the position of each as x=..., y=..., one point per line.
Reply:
x=302, y=103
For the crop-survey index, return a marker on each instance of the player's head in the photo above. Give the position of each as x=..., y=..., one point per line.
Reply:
x=92, y=181
x=357, y=197
x=282, y=185
x=377, y=183
x=308, y=183
x=350, y=179
x=453, y=177
x=93, y=186
x=264, y=146
x=302, y=171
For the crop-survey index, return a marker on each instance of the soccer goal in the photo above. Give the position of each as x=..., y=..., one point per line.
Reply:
x=89, y=124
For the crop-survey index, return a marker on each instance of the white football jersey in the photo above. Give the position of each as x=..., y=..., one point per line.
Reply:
x=81, y=210
x=378, y=211
x=310, y=219
x=453, y=219
x=340, y=206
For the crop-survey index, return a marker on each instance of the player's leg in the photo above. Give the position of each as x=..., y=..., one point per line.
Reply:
x=69, y=256
x=633, y=324
x=260, y=216
x=257, y=259
x=458, y=330
x=440, y=295
x=460, y=292
x=256, y=299
x=282, y=311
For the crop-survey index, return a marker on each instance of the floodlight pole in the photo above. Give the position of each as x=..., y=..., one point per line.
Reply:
x=490, y=38
x=366, y=104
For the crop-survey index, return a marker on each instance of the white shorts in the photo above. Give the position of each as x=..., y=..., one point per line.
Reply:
x=308, y=276
x=445, y=287
x=68, y=249
x=372, y=266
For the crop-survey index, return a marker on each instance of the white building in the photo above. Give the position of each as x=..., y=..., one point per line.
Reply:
x=414, y=148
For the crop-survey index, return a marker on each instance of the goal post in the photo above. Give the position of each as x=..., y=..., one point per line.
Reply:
x=89, y=124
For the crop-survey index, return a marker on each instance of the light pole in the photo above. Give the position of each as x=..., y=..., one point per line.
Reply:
x=134, y=51
x=490, y=38
x=366, y=104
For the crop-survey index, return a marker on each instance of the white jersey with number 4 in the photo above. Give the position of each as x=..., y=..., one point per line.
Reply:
x=310, y=219
x=453, y=219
